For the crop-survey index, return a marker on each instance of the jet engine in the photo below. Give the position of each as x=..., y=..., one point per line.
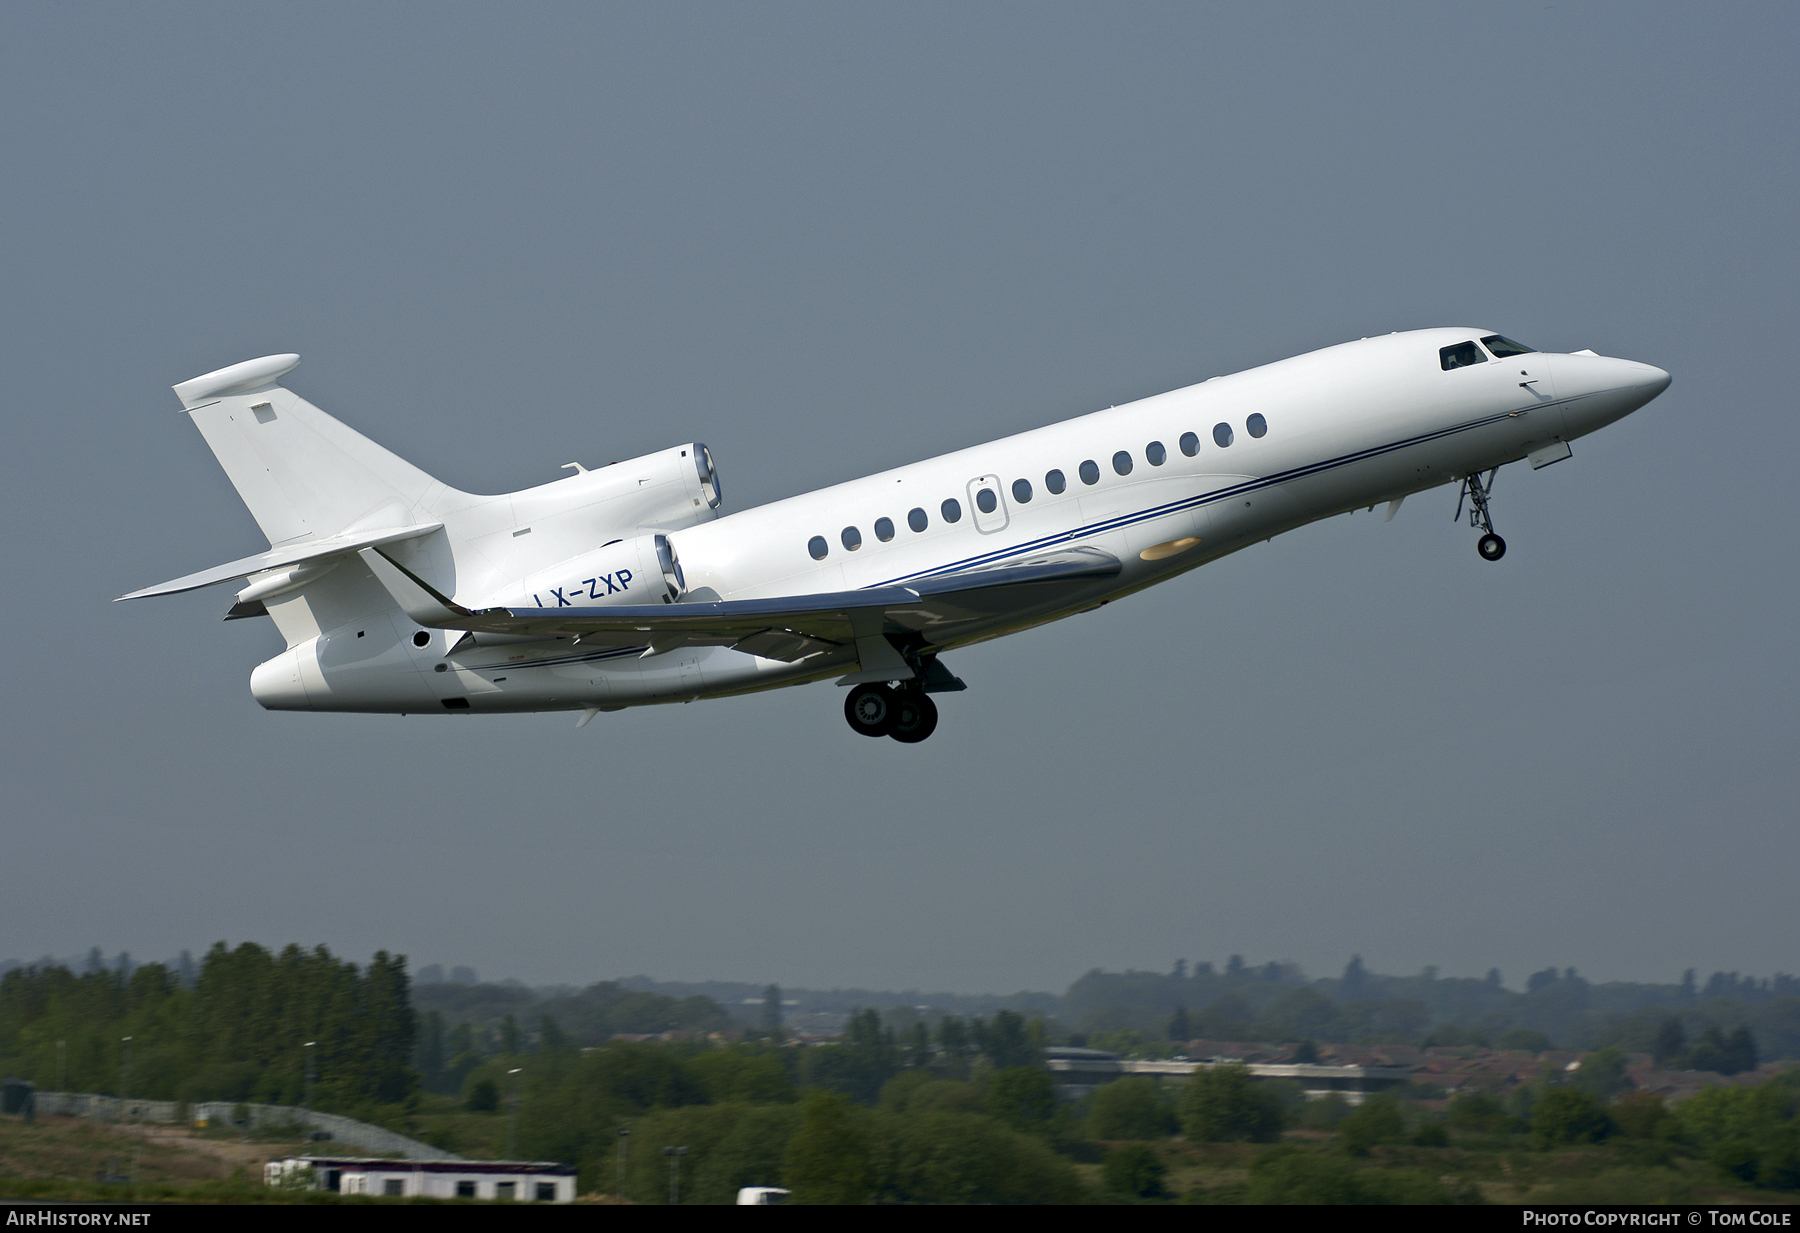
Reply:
x=639, y=570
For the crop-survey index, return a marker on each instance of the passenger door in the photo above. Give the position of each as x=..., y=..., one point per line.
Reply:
x=987, y=501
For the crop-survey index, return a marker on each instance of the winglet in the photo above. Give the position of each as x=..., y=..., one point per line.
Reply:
x=415, y=596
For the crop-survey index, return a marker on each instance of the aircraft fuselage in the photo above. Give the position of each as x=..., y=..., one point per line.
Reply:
x=1163, y=485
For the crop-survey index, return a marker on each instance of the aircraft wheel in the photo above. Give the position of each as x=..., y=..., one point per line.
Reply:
x=915, y=718
x=871, y=709
x=1491, y=547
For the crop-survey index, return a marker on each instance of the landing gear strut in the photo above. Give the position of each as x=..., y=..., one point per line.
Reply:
x=1476, y=491
x=905, y=714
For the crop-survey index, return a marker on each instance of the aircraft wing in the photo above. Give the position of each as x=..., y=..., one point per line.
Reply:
x=789, y=627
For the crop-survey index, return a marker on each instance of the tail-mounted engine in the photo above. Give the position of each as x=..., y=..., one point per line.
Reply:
x=640, y=570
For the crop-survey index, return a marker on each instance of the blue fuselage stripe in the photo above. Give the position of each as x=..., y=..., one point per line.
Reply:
x=1206, y=498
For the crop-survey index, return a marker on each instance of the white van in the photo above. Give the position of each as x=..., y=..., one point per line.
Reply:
x=762, y=1195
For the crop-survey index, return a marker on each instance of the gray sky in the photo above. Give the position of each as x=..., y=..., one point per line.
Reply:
x=831, y=239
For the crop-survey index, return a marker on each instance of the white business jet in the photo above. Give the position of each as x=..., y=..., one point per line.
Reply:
x=624, y=585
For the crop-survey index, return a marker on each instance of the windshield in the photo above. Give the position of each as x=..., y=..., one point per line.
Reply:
x=1503, y=346
x=1460, y=356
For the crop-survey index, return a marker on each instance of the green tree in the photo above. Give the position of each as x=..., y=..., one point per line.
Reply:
x=865, y=1058
x=550, y=1036
x=828, y=1159
x=1671, y=1041
x=1728, y=1056
x=918, y=1051
x=1602, y=1073
x=1010, y=1044
x=1285, y=1175
x=484, y=1097
x=1022, y=1097
x=1223, y=1104
x=942, y=1157
x=746, y=1074
x=431, y=1047
x=953, y=1043
x=1643, y=1115
x=1377, y=1120
x=1523, y=1040
x=1133, y=1169
x=1131, y=1108
x=1565, y=1115
x=729, y=1146
x=1740, y=1047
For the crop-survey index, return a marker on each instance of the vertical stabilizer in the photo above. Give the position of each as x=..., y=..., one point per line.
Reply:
x=303, y=474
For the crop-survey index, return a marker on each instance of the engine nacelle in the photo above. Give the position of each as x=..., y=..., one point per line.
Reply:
x=668, y=490
x=640, y=570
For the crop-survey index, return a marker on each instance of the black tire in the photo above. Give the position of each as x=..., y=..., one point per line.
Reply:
x=915, y=718
x=1491, y=547
x=870, y=710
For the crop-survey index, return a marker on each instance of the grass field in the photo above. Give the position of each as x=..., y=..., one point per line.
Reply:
x=1499, y=1169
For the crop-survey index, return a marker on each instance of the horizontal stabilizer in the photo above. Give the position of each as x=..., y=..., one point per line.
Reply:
x=239, y=378
x=350, y=541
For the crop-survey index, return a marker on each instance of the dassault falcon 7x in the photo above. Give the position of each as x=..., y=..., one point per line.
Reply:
x=625, y=585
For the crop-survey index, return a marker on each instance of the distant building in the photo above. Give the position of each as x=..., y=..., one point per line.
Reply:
x=522, y=1181
x=1079, y=1071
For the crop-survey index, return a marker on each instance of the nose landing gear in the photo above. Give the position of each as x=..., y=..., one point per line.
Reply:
x=905, y=714
x=1476, y=491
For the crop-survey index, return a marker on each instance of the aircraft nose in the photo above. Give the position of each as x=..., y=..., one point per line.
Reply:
x=1650, y=379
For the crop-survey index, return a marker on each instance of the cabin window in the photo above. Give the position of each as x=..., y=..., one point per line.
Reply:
x=1021, y=490
x=1089, y=471
x=393, y=1187
x=1190, y=443
x=1460, y=356
x=465, y=1190
x=1122, y=462
x=917, y=520
x=505, y=1190
x=818, y=547
x=546, y=1192
x=884, y=529
x=1256, y=425
x=951, y=510
x=986, y=501
x=1222, y=435
x=852, y=538
x=1156, y=453
x=1502, y=346
x=1054, y=481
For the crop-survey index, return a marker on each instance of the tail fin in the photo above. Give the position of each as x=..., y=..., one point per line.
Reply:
x=303, y=474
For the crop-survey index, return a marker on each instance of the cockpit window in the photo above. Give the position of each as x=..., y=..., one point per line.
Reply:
x=1460, y=356
x=1503, y=346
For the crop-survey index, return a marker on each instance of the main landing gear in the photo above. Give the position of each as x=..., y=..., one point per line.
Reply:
x=906, y=714
x=1476, y=491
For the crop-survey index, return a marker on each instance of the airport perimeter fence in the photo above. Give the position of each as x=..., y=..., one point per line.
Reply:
x=342, y=1131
